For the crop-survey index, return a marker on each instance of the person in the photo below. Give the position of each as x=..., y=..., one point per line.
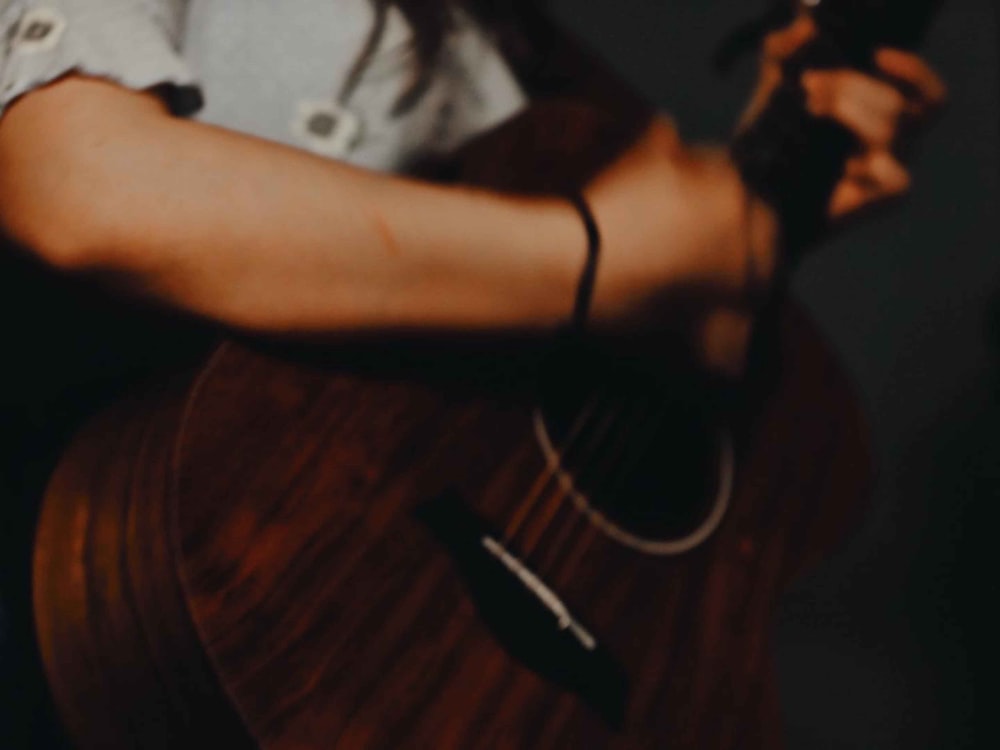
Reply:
x=252, y=166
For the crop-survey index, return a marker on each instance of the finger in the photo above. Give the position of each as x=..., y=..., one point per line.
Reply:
x=925, y=87
x=882, y=171
x=782, y=44
x=870, y=179
x=848, y=200
x=869, y=108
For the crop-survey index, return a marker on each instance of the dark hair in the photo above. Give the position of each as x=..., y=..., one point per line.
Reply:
x=431, y=21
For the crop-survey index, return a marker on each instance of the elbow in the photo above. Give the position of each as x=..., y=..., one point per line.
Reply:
x=65, y=153
x=60, y=251
x=66, y=230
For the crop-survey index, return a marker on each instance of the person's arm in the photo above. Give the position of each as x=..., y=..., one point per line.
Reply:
x=98, y=179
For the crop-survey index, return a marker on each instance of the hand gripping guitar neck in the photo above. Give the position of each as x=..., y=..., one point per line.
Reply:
x=792, y=159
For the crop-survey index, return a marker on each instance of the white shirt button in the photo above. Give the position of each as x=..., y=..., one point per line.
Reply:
x=39, y=30
x=327, y=128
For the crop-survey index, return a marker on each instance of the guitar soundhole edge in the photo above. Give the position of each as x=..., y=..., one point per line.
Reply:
x=650, y=473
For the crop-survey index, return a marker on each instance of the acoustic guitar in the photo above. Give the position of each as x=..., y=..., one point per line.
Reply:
x=444, y=544
x=441, y=546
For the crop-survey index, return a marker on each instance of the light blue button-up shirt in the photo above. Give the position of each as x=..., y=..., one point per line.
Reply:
x=267, y=68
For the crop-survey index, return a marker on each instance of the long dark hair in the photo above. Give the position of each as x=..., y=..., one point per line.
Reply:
x=432, y=20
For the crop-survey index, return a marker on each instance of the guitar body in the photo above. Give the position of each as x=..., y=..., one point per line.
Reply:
x=359, y=550
x=246, y=558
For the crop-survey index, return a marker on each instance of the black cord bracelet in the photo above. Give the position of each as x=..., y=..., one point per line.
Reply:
x=585, y=287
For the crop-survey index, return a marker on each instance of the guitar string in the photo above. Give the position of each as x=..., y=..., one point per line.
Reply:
x=566, y=525
x=552, y=505
x=627, y=471
x=589, y=443
x=549, y=473
x=583, y=439
x=557, y=530
x=599, y=455
x=639, y=439
x=559, y=571
x=575, y=555
x=552, y=564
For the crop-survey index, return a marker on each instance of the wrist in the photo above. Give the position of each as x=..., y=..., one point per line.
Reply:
x=741, y=238
x=564, y=235
x=762, y=230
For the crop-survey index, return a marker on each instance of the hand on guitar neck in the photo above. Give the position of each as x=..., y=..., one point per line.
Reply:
x=720, y=265
x=879, y=111
x=821, y=140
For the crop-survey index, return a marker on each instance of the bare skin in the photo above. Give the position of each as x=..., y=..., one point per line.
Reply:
x=262, y=237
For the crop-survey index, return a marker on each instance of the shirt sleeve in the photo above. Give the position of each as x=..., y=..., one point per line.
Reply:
x=135, y=43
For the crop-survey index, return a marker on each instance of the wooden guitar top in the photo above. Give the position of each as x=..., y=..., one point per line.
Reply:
x=244, y=558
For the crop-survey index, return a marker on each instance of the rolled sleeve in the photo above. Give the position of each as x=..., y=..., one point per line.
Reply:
x=135, y=43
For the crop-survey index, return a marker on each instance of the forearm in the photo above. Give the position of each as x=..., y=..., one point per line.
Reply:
x=266, y=238
x=259, y=236
x=270, y=239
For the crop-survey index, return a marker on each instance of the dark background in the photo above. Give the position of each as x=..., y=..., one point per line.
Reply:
x=886, y=645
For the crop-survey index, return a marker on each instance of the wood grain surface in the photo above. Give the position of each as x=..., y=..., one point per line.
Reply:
x=244, y=566
x=237, y=558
